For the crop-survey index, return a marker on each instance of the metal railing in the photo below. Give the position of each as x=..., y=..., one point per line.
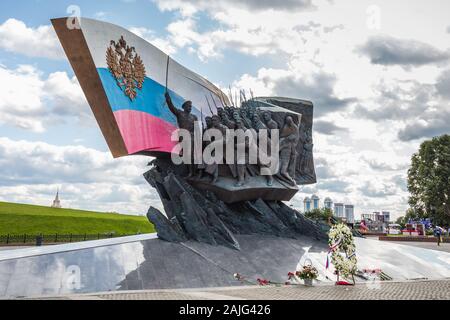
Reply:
x=28, y=239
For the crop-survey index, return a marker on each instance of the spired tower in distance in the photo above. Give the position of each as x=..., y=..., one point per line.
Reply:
x=57, y=203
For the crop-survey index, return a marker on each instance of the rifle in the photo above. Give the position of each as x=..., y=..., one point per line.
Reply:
x=212, y=97
x=167, y=74
x=231, y=96
x=207, y=101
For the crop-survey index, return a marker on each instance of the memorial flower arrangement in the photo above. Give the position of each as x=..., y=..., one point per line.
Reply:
x=263, y=282
x=342, y=251
x=308, y=274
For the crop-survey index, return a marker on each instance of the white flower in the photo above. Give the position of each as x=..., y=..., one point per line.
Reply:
x=343, y=257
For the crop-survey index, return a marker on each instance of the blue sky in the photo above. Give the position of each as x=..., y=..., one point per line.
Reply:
x=138, y=14
x=377, y=71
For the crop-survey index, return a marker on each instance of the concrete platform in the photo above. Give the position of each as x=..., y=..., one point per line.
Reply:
x=147, y=263
x=256, y=188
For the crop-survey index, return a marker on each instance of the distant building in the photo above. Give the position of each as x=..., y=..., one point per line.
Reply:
x=379, y=216
x=377, y=221
x=368, y=217
x=339, y=210
x=328, y=203
x=56, y=202
x=307, y=203
x=387, y=216
x=315, y=202
x=350, y=213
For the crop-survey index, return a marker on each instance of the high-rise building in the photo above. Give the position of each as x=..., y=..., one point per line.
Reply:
x=339, y=210
x=387, y=216
x=315, y=202
x=328, y=203
x=307, y=203
x=350, y=213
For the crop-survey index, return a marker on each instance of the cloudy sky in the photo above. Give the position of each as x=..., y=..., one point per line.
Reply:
x=377, y=71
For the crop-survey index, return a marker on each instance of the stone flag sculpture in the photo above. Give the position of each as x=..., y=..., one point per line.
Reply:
x=125, y=78
x=135, y=90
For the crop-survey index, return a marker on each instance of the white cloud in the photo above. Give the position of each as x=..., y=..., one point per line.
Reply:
x=387, y=50
x=164, y=45
x=247, y=32
x=190, y=7
x=360, y=158
x=316, y=86
x=30, y=101
x=360, y=161
x=42, y=41
x=31, y=172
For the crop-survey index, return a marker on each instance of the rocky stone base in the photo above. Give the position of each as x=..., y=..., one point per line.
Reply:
x=199, y=216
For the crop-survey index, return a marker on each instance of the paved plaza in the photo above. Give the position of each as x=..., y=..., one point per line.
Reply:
x=417, y=290
x=395, y=290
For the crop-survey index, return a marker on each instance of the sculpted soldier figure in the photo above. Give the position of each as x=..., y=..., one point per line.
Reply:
x=240, y=167
x=289, y=137
x=236, y=118
x=244, y=119
x=213, y=169
x=217, y=124
x=209, y=123
x=307, y=161
x=300, y=149
x=225, y=119
x=204, y=168
x=257, y=123
x=186, y=120
x=270, y=123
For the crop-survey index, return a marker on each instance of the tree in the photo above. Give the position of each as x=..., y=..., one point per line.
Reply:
x=429, y=180
x=320, y=214
x=402, y=221
x=410, y=215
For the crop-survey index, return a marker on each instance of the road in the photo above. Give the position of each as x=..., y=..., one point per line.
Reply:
x=445, y=247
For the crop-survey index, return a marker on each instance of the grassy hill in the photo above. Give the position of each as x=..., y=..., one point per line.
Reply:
x=16, y=219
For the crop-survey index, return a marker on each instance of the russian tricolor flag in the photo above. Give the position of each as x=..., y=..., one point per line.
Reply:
x=143, y=124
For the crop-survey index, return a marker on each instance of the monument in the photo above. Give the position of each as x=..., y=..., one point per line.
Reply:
x=224, y=211
x=142, y=98
x=57, y=203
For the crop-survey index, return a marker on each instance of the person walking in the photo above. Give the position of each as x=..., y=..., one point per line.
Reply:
x=437, y=234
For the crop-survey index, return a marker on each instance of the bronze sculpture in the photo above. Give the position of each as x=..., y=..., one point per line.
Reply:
x=288, y=154
x=186, y=120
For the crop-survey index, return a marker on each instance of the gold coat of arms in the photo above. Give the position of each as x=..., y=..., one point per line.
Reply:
x=126, y=66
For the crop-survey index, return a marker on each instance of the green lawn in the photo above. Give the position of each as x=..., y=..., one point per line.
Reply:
x=16, y=219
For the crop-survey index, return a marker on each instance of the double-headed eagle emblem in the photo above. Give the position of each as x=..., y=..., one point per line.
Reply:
x=126, y=66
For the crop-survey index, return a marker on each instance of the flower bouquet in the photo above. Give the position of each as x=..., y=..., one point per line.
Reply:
x=307, y=274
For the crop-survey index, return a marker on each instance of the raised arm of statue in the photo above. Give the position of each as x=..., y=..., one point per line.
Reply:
x=169, y=102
